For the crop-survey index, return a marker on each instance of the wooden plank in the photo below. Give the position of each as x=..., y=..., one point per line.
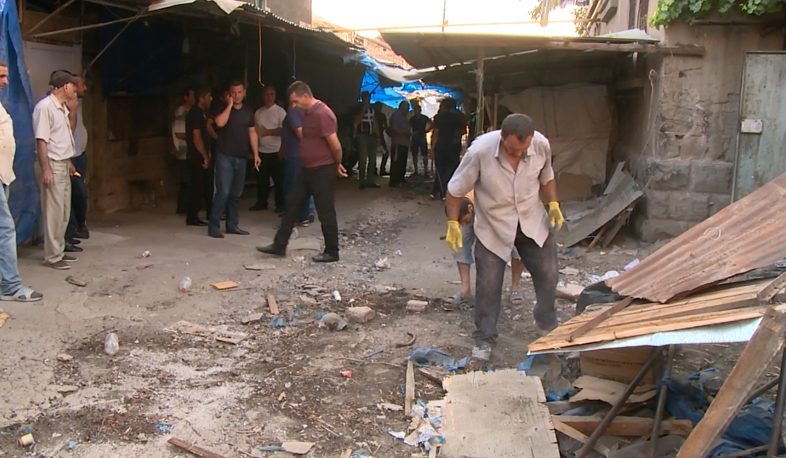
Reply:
x=228, y=340
x=626, y=426
x=346, y=453
x=193, y=449
x=271, y=303
x=222, y=285
x=497, y=414
x=772, y=289
x=619, y=221
x=578, y=435
x=409, y=391
x=598, y=236
x=434, y=374
x=591, y=324
x=751, y=365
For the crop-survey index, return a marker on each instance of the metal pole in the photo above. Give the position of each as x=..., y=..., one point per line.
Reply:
x=777, y=417
x=479, y=78
x=444, y=9
x=53, y=14
x=130, y=21
x=764, y=388
x=593, y=439
x=663, y=392
x=93, y=26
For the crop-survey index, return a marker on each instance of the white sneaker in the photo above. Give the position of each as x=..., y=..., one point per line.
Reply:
x=482, y=352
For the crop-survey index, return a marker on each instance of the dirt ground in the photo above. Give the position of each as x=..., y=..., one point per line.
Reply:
x=278, y=384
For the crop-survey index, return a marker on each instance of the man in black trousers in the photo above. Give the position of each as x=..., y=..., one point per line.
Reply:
x=198, y=154
x=320, y=157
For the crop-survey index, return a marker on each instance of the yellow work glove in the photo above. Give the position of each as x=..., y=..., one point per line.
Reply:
x=555, y=216
x=453, y=236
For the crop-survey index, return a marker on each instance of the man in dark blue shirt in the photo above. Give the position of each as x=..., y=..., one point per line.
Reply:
x=291, y=133
x=197, y=155
x=237, y=137
x=420, y=126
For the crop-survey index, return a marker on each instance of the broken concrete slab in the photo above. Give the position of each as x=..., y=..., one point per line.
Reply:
x=417, y=306
x=259, y=266
x=498, y=414
x=64, y=357
x=360, y=314
x=253, y=318
x=65, y=389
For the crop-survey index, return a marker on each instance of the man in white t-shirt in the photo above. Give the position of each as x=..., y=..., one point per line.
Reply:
x=268, y=121
x=181, y=149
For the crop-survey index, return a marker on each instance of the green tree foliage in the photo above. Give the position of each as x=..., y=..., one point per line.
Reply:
x=670, y=11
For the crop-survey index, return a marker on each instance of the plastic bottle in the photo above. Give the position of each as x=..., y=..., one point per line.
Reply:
x=185, y=283
x=111, y=344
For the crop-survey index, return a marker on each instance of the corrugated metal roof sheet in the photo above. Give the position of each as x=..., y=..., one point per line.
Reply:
x=746, y=235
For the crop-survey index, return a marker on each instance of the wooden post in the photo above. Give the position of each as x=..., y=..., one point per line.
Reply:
x=752, y=364
x=495, y=111
x=481, y=102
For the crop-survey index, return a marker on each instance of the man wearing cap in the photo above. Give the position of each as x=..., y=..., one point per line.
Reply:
x=507, y=169
x=10, y=285
x=55, y=147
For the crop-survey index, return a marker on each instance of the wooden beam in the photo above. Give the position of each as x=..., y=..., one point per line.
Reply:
x=50, y=16
x=547, y=44
x=772, y=289
x=271, y=303
x=626, y=426
x=191, y=448
x=578, y=435
x=591, y=324
x=751, y=365
x=409, y=390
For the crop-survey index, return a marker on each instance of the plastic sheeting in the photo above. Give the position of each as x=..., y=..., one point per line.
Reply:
x=391, y=96
x=577, y=120
x=17, y=98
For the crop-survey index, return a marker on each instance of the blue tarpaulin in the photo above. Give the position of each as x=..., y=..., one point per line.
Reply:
x=17, y=98
x=393, y=95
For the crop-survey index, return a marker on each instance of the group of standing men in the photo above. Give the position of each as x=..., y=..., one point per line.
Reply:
x=214, y=146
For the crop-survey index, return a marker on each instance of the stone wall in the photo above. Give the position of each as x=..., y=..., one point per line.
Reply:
x=680, y=135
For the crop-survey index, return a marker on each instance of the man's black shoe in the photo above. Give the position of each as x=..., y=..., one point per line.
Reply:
x=82, y=233
x=362, y=186
x=257, y=207
x=325, y=257
x=73, y=241
x=237, y=231
x=272, y=249
x=279, y=210
x=216, y=235
x=372, y=185
x=196, y=222
x=69, y=248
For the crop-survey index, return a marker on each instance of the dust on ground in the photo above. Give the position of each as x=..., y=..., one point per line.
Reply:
x=278, y=383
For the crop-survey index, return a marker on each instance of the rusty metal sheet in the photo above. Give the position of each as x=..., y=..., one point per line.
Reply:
x=746, y=235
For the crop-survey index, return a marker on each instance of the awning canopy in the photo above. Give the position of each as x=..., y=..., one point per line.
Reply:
x=437, y=49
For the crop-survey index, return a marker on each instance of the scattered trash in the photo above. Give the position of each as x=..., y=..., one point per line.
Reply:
x=608, y=275
x=548, y=368
x=71, y=444
x=375, y=353
x=360, y=314
x=297, y=448
x=164, y=428
x=253, y=318
x=272, y=448
x=361, y=453
x=382, y=263
x=526, y=274
x=424, y=357
x=399, y=253
x=64, y=357
x=397, y=434
x=632, y=264
x=331, y=321
x=569, y=292
x=570, y=271
x=277, y=322
x=111, y=344
x=146, y=266
x=336, y=296
x=75, y=282
x=26, y=440
x=185, y=283
x=259, y=266
x=222, y=285
x=308, y=300
x=417, y=306
x=390, y=407
x=568, y=254
x=65, y=389
x=3, y=317
x=145, y=254
x=347, y=374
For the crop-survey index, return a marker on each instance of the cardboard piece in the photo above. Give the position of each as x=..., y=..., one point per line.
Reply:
x=222, y=285
x=620, y=364
x=596, y=389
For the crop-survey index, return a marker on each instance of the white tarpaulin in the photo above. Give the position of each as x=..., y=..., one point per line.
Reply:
x=577, y=120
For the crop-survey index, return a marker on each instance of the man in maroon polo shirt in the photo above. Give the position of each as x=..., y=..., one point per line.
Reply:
x=320, y=157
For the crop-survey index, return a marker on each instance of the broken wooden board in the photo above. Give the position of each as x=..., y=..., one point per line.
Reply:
x=608, y=391
x=4, y=316
x=751, y=365
x=578, y=435
x=497, y=415
x=222, y=285
x=743, y=236
x=193, y=449
x=626, y=193
x=626, y=426
x=229, y=340
x=272, y=304
x=259, y=266
x=409, y=390
x=726, y=304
